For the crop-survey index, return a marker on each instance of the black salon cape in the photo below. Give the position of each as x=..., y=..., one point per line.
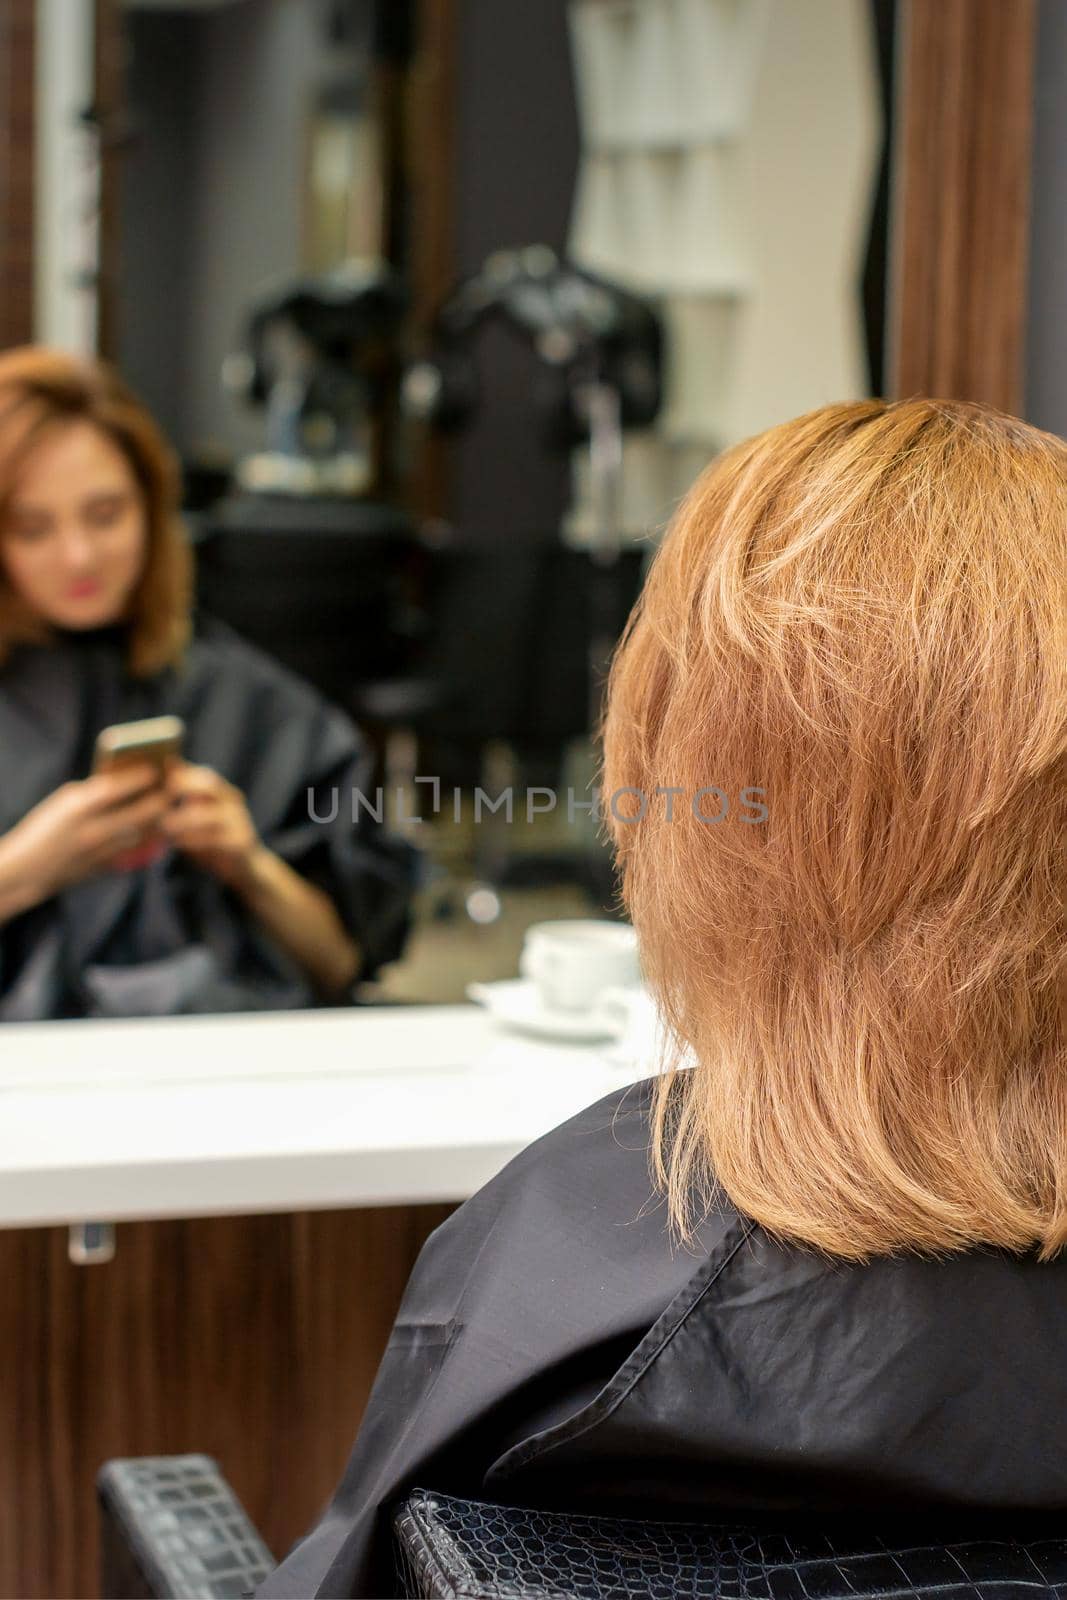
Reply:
x=553, y=1350
x=170, y=938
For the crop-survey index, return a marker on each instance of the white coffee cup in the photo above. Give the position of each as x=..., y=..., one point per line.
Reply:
x=573, y=962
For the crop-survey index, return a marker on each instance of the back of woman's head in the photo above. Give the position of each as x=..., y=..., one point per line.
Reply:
x=863, y=613
x=42, y=390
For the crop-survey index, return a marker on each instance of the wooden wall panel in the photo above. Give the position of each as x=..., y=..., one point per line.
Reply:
x=961, y=218
x=253, y=1339
x=16, y=170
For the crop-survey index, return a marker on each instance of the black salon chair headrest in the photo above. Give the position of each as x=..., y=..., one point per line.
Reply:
x=450, y=1548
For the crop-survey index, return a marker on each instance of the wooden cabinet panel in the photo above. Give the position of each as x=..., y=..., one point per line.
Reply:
x=252, y=1339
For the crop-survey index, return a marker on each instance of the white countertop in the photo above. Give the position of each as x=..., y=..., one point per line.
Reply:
x=275, y=1111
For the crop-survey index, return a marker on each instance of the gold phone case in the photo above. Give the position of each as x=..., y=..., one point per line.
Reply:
x=154, y=739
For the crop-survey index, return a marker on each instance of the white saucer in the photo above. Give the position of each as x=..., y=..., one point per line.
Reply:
x=517, y=1003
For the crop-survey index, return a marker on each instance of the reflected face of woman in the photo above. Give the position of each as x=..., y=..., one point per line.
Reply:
x=74, y=538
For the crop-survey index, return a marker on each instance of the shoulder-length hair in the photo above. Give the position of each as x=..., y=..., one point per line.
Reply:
x=42, y=388
x=862, y=613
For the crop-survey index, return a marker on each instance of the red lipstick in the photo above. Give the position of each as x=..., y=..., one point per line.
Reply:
x=84, y=589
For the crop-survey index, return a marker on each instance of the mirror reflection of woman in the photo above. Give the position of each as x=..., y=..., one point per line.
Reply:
x=119, y=895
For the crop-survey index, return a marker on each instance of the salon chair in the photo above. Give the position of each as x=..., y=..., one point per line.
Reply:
x=172, y=1527
x=503, y=661
x=321, y=584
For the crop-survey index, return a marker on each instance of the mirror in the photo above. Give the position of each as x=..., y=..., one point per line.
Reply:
x=340, y=241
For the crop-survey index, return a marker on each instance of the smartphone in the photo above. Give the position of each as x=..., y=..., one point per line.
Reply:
x=156, y=740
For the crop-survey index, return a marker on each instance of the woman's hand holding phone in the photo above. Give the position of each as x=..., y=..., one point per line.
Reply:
x=210, y=824
x=153, y=740
x=81, y=828
x=209, y=821
x=122, y=817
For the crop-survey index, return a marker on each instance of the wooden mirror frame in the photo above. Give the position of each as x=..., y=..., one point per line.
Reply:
x=960, y=214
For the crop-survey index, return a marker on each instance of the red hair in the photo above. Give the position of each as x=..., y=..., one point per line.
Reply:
x=41, y=389
x=864, y=613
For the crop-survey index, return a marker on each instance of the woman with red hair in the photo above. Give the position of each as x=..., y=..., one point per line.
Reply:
x=257, y=903
x=817, y=1265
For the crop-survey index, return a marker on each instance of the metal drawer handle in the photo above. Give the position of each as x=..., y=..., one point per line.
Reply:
x=91, y=1243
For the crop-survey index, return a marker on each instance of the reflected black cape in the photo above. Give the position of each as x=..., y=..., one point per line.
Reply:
x=553, y=1350
x=169, y=938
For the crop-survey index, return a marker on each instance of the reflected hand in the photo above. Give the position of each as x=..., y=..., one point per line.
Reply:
x=84, y=827
x=209, y=821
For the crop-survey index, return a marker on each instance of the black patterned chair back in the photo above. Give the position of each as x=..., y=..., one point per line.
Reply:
x=452, y=1549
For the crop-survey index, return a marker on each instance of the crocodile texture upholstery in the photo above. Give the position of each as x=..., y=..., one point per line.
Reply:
x=451, y=1549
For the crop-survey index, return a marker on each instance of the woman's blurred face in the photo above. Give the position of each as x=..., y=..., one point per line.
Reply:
x=74, y=539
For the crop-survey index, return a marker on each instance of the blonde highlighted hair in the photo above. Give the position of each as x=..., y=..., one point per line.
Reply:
x=41, y=389
x=862, y=612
